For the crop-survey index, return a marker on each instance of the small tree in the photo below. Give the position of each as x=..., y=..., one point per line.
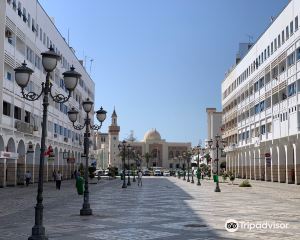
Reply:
x=147, y=158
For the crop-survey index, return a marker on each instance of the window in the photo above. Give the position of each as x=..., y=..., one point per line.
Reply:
x=298, y=54
x=275, y=72
x=44, y=38
x=24, y=15
x=19, y=9
x=56, y=128
x=256, y=86
x=296, y=23
x=8, y=76
x=271, y=47
x=27, y=116
x=37, y=30
x=287, y=32
x=291, y=59
x=267, y=78
x=262, y=106
x=256, y=109
x=278, y=40
x=261, y=82
x=61, y=130
x=268, y=51
x=292, y=27
x=41, y=34
x=33, y=25
x=275, y=44
x=29, y=20
x=265, y=53
x=263, y=129
x=17, y=113
x=282, y=66
x=282, y=36
x=6, y=108
x=292, y=89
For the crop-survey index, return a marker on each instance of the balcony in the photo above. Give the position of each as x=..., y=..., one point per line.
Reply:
x=23, y=127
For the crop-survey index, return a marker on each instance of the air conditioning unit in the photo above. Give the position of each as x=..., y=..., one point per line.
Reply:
x=8, y=33
x=55, y=135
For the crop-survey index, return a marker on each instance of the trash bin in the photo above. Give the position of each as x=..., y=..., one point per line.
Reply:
x=216, y=178
x=79, y=185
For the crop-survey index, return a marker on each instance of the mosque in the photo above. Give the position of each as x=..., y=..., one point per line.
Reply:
x=163, y=154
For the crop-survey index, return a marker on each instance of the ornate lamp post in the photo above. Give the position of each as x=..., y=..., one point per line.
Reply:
x=184, y=173
x=22, y=77
x=217, y=141
x=134, y=157
x=197, y=151
x=187, y=156
x=101, y=115
x=128, y=157
x=122, y=149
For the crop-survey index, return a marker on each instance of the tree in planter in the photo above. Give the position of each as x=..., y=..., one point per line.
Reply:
x=147, y=158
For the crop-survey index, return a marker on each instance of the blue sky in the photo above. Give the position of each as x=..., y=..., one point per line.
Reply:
x=160, y=62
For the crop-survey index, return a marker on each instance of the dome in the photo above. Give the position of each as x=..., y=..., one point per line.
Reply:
x=152, y=135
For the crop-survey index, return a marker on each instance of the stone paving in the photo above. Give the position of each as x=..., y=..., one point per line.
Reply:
x=164, y=208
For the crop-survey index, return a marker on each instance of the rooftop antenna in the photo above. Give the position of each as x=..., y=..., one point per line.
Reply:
x=91, y=65
x=250, y=38
x=68, y=37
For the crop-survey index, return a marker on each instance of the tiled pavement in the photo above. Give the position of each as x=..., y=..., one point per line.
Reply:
x=164, y=208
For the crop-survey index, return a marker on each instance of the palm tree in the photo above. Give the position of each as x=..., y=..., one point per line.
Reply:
x=147, y=158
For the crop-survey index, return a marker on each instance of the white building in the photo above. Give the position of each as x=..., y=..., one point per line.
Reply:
x=260, y=99
x=25, y=31
x=214, y=128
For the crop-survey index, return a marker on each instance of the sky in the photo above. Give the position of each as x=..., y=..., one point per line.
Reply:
x=160, y=63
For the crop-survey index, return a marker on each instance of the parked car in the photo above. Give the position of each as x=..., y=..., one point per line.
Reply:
x=106, y=172
x=157, y=172
x=166, y=173
x=146, y=172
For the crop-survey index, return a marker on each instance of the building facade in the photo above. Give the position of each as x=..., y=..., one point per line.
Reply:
x=214, y=127
x=261, y=104
x=25, y=31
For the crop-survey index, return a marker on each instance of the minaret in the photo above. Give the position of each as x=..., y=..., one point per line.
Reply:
x=113, y=141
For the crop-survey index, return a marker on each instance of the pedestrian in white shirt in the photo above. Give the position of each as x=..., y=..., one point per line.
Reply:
x=140, y=175
x=58, y=180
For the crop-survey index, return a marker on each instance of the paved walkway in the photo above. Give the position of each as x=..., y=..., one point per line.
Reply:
x=164, y=208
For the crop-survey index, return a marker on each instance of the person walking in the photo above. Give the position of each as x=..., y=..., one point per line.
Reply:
x=54, y=175
x=27, y=178
x=140, y=174
x=58, y=180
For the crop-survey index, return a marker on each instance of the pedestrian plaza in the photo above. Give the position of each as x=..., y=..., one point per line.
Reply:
x=163, y=208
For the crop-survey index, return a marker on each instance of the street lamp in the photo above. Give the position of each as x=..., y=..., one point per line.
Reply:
x=188, y=162
x=217, y=141
x=184, y=173
x=197, y=151
x=101, y=116
x=128, y=156
x=122, y=149
x=22, y=77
